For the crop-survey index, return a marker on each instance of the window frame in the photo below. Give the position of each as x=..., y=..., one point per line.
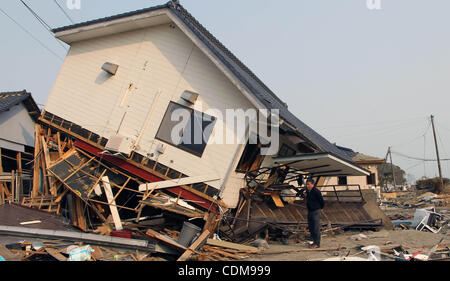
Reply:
x=343, y=177
x=180, y=146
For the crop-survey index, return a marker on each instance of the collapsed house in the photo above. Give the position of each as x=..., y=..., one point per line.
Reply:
x=104, y=152
x=18, y=114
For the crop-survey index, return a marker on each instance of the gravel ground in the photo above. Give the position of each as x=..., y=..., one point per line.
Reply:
x=411, y=240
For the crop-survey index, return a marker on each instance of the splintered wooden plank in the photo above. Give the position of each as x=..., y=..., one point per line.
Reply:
x=97, y=253
x=95, y=186
x=36, y=171
x=48, y=162
x=112, y=203
x=230, y=245
x=57, y=255
x=165, y=239
x=194, y=246
x=276, y=198
x=224, y=253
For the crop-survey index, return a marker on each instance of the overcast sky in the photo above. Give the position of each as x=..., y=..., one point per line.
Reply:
x=363, y=78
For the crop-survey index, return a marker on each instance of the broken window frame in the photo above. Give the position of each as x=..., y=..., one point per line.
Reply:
x=251, y=158
x=207, y=120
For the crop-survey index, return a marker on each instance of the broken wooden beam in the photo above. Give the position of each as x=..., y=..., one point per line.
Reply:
x=54, y=253
x=229, y=245
x=166, y=240
x=194, y=246
x=112, y=202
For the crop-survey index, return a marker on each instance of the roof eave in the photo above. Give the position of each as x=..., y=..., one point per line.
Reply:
x=113, y=25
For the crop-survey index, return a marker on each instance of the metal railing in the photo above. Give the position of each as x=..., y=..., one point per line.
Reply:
x=344, y=194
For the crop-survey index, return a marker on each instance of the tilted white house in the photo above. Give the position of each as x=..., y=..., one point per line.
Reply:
x=124, y=74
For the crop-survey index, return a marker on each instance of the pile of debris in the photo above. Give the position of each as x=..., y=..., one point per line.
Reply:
x=427, y=219
x=76, y=246
x=418, y=210
x=88, y=191
x=408, y=200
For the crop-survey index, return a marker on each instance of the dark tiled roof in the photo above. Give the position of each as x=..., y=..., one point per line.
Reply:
x=259, y=90
x=350, y=153
x=10, y=99
x=367, y=158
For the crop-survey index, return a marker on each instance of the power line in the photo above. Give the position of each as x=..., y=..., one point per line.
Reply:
x=379, y=132
x=374, y=123
x=415, y=165
x=424, y=154
x=417, y=158
x=427, y=128
x=31, y=35
x=42, y=22
x=442, y=127
x=442, y=144
x=62, y=10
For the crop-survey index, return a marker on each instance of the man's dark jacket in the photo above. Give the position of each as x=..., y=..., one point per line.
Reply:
x=314, y=200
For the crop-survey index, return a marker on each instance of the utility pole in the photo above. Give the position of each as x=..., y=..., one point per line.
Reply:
x=437, y=155
x=392, y=166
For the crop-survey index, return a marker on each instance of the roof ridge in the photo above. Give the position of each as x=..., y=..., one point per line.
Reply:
x=14, y=92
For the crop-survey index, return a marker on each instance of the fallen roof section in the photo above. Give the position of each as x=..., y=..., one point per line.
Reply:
x=322, y=164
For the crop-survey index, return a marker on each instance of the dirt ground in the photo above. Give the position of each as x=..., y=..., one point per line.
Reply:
x=412, y=240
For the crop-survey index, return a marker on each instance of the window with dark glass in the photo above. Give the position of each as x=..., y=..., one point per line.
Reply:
x=371, y=179
x=342, y=180
x=193, y=131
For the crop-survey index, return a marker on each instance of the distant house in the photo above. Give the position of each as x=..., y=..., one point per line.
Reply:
x=18, y=115
x=123, y=77
x=369, y=163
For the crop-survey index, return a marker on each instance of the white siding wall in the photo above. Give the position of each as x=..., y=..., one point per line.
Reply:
x=16, y=126
x=156, y=58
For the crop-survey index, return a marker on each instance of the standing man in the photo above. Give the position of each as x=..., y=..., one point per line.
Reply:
x=315, y=203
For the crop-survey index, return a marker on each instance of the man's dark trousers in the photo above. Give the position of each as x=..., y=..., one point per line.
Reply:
x=314, y=225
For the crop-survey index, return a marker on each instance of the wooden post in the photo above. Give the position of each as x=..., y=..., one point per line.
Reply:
x=13, y=185
x=36, y=166
x=18, y=187
x=2, y=197
x=112, y=203
x=60, y=149
x=51, y=179
x=2, y=187
x=19, y=183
